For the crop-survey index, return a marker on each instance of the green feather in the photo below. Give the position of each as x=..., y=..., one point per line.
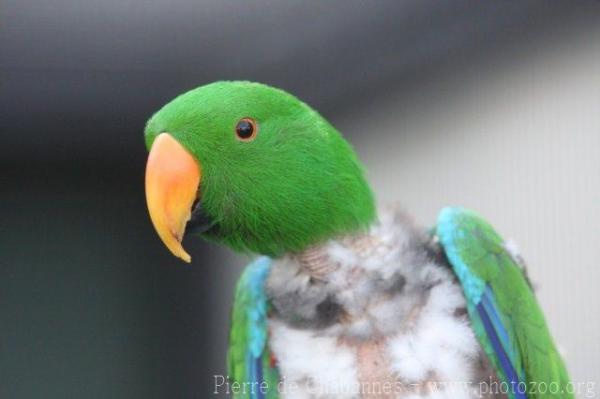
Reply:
x=478, y=254
x=297, y=183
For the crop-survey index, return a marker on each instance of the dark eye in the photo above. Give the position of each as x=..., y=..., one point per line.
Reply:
x=246, y=129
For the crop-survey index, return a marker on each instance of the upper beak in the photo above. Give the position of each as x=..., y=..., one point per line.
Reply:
x=172, y=183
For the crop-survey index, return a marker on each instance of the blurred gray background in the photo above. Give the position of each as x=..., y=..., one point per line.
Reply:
x=491, y=105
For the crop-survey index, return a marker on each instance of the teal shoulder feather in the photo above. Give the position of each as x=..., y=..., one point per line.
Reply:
x=250, y=362
x=503, y=310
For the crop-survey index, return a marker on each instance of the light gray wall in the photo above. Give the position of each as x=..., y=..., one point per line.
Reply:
x=517, y=140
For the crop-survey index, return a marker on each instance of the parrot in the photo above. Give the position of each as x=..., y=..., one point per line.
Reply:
x=343, y=298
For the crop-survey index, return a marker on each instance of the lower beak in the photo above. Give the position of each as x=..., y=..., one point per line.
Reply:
x=172, y=183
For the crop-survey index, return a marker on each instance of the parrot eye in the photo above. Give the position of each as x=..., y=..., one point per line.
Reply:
x=246, y=129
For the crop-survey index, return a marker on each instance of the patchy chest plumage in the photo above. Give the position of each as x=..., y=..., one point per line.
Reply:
x=374, y=315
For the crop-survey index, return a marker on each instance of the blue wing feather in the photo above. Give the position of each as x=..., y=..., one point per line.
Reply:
x=488, y=303
x=505, y=363
x=249, y=356
x=480, y=299
x=254, y=277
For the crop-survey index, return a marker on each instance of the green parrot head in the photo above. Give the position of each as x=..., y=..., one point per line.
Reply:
x=252, y=167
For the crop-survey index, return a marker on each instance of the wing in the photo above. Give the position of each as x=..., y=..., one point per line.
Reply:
x=250, y=362
x=504, y=312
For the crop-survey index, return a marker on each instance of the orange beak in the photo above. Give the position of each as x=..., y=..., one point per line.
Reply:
x=172, y=183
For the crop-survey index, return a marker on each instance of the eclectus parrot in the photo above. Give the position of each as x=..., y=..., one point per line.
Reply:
x=344, y=301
